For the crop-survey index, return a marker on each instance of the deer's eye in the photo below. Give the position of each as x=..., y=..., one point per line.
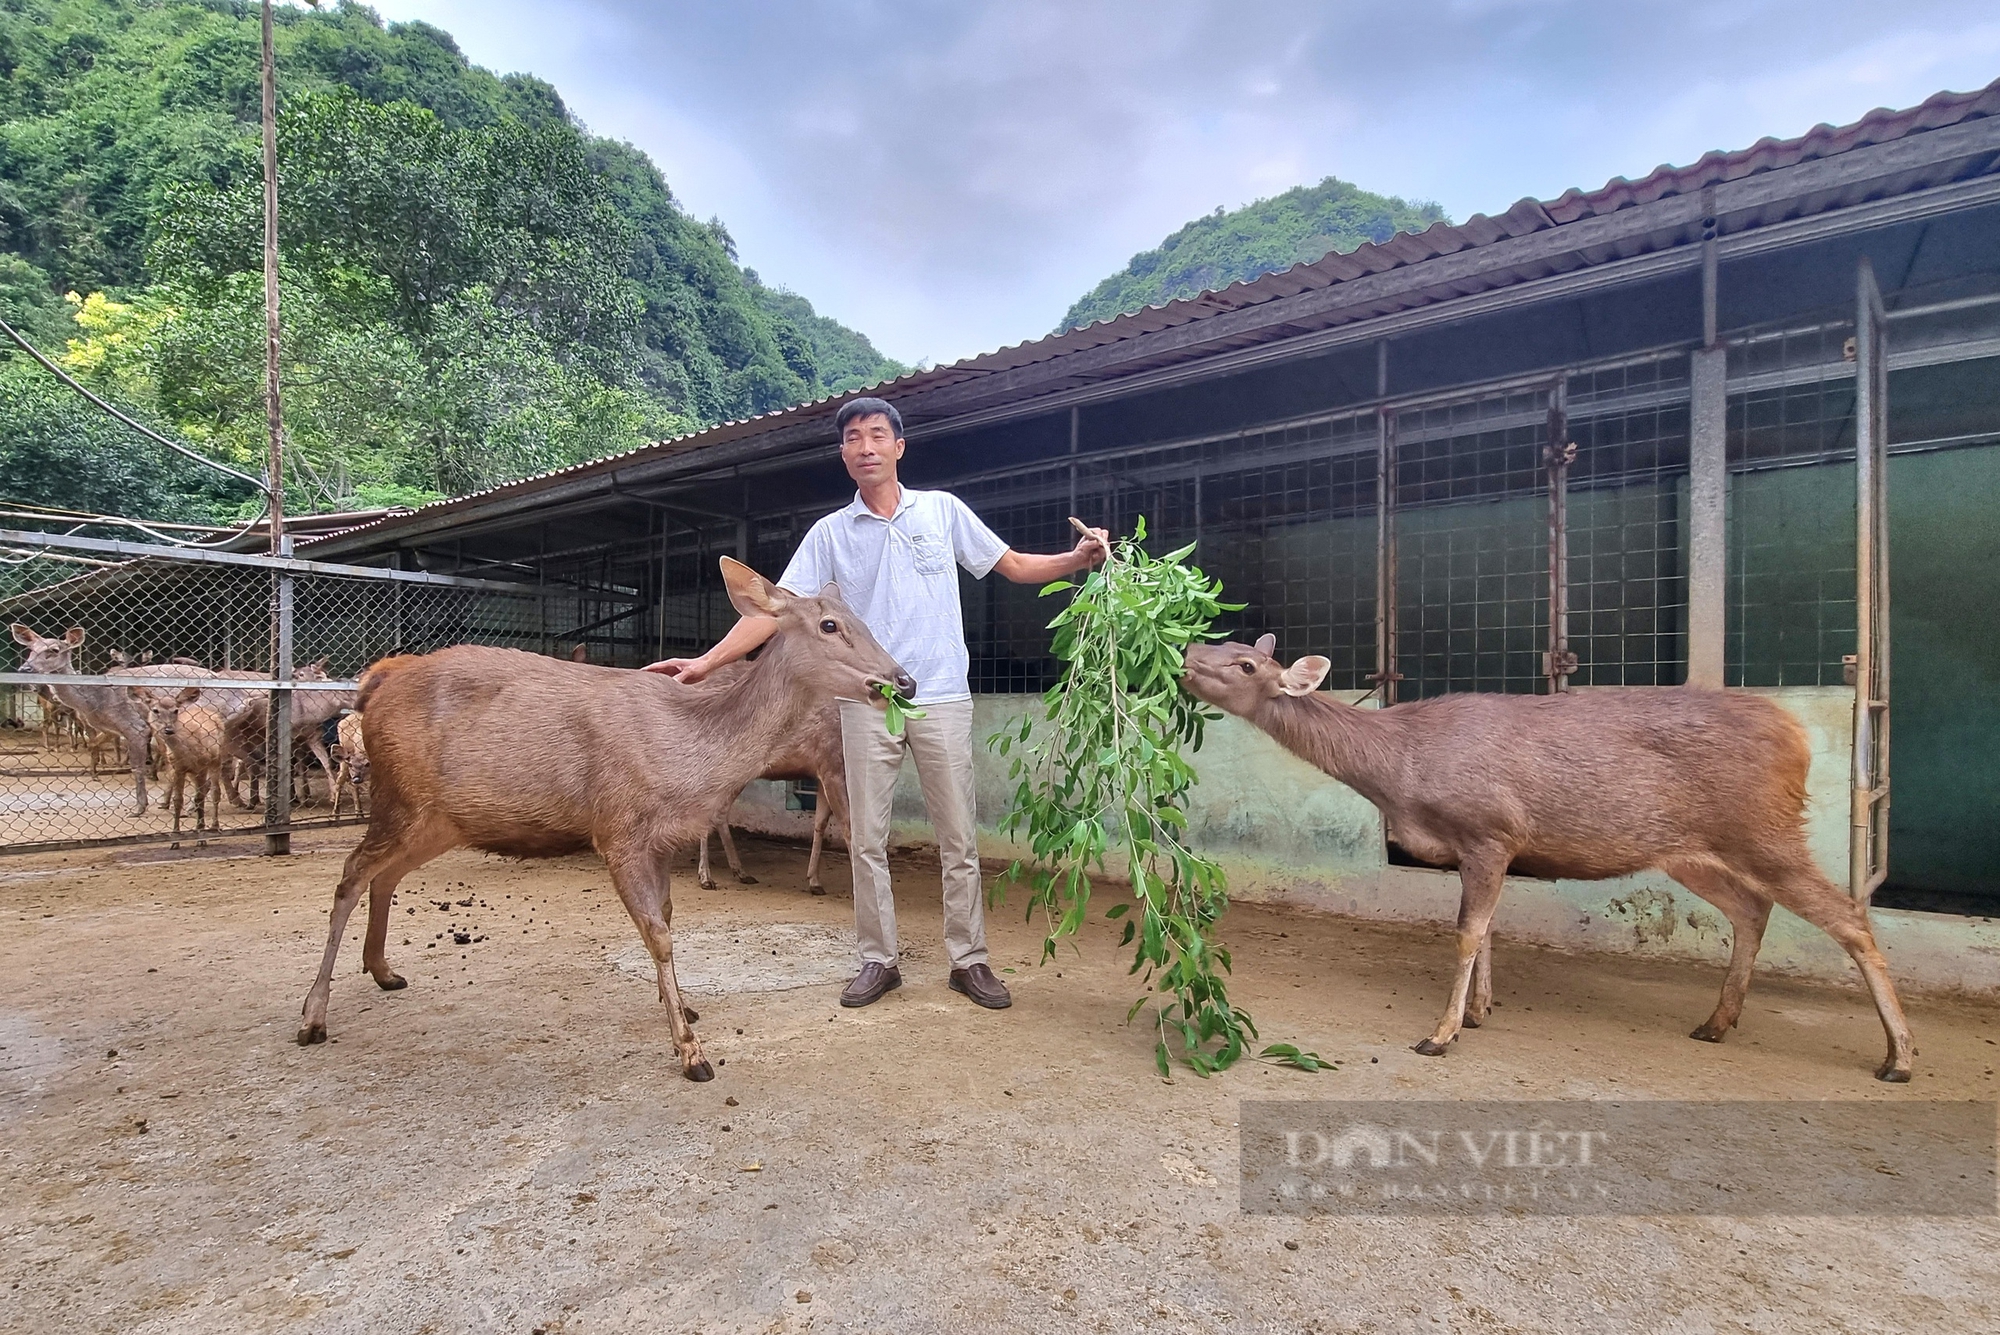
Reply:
x=1249, y=669
x=829, y=627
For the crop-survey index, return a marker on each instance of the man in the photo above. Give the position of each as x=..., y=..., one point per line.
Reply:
x=891, y=551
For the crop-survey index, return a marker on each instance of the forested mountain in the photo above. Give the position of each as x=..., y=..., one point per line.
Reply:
x=474, y=287
x=1269, y=236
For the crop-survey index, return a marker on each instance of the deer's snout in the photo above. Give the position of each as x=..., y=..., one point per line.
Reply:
x=902, y=681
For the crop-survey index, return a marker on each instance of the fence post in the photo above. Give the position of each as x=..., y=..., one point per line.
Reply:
x=278, y=725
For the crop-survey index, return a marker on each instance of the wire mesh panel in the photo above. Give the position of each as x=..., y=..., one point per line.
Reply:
x=1285, y=518
x=1627, y=517
x=1471, y=496
x=1790, y=609
x=154, y=669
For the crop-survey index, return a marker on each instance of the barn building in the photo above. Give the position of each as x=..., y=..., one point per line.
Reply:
x=1780, y=372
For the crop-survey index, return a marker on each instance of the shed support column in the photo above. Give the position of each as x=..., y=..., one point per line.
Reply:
x=1708, y=486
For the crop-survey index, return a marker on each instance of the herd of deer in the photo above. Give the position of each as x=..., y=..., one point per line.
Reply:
x=1706, y=786
x=209, y=736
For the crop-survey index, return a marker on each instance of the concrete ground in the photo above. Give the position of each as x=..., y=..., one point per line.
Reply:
x=508, y=1145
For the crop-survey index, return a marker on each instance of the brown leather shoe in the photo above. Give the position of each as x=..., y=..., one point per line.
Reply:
x=979, y=983
x=873, y=983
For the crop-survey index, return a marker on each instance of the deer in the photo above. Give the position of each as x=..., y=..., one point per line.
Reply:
x=352, y=769
x=1706, y=786
x=814, y=754
x=100, y=709
x=630, y=764
x=249, y=720
x=192, y=734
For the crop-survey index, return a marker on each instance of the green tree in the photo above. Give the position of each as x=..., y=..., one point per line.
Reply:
x=1302, y=225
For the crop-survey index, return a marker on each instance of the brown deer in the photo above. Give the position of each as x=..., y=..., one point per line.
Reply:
x=352, y=762
x=814, y=754
x=630, y=764
x=1706, y=786
x=100, y=709
x=191, y=733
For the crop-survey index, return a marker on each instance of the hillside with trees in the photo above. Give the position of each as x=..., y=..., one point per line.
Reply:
x=1302, y=225
x=474, y=287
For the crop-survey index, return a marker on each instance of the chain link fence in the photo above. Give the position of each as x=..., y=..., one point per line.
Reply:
x=145, y=670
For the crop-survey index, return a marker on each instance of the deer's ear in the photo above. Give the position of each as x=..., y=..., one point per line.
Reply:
x=188, y=695
x=749, y=592
x=22, y=635
x=832, y=590
x=74, y=636
x=1266, y=645
x=1304, y=676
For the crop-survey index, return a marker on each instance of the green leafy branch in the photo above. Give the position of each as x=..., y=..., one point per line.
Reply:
x=896, y=707
x=1102, y=772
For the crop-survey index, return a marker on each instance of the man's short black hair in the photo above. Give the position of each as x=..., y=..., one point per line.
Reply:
x=856, y=408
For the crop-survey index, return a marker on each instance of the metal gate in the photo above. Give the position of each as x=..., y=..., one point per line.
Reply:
x=1868, y=847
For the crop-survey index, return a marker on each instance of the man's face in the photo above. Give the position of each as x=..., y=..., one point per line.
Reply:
x=870, y=448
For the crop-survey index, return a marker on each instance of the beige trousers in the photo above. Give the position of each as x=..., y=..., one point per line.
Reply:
x=942, y=744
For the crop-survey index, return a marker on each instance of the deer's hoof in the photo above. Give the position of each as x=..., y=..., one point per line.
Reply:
x=745, y=878
x=688, y=1013
x=1470, y=1021
x=701, y=1072
x=310, y=1034
x=1430, y=1047
x=393, y=982
x=1891, y=1074
x=1708, y=1033
x=705, y=882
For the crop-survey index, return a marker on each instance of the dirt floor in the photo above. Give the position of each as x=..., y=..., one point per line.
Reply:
x=508, y=1145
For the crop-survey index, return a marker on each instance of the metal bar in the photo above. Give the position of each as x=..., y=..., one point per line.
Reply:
x=1560, y=452
x=1386, y=675
x=169, y=837
x=1708, y=545
x=203, y=556
x=206, y=683
x=278, y=723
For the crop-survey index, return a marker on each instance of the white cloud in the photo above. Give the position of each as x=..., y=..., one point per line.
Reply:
x=949, y=177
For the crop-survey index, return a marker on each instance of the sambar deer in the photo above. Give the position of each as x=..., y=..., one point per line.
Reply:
x=631, y=764
x=814, y=753
x=1707, y=786
x=101, y=709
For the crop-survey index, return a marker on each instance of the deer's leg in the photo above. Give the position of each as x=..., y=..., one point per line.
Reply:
x=1801, y=888
x=1480, y=875
x=702, y=876
x=1480, y=1005
x=729, y=852
x=135, y=749
x=375, y=946
x=390, y=855
x=1748, y=913
x=645, y=885
x=822, y=815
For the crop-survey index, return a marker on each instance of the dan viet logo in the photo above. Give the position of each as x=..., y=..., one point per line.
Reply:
x=1394, y=1162
x=1641, y=1157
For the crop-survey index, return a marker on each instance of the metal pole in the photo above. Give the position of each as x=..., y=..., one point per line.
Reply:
x=1708, y=488
x=1075, y=427
x=1868, y=840
x=278, y=724
x=1385, y=676
x=1559, y=662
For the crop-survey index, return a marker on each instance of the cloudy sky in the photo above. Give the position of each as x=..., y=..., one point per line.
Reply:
x=949, y=176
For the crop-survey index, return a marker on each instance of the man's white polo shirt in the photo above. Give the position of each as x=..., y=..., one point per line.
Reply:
x=896, y=574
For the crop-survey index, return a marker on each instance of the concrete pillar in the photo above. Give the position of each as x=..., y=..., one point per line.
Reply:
x=1708, y=485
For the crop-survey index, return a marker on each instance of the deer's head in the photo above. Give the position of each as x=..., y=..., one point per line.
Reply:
x=820, y=635
x=48, y=655
x=1239, y=678
x=162, y=707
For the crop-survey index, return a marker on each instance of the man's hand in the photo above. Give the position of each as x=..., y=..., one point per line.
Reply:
x=1092, y=549
x=687, y=670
